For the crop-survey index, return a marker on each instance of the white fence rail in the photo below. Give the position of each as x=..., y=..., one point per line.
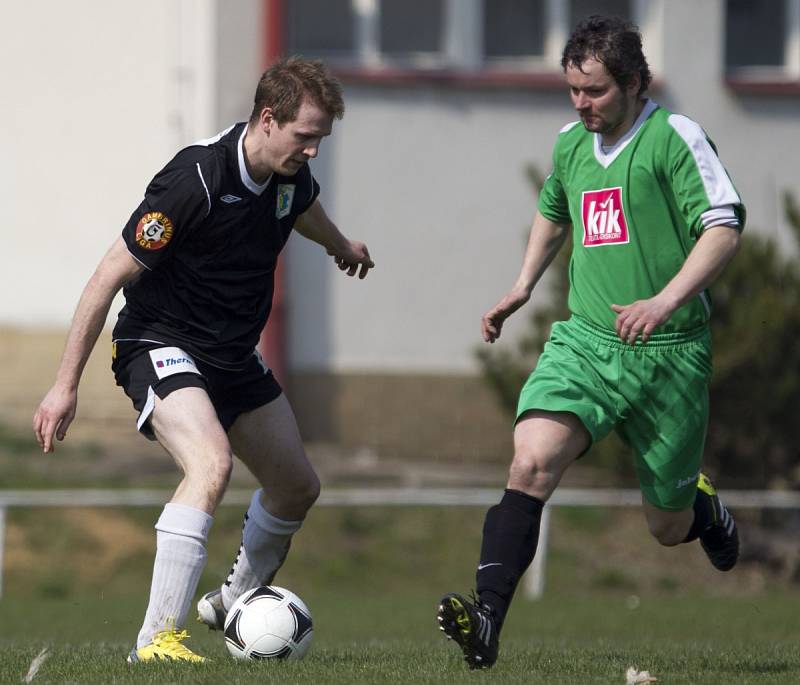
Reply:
x=400, y=497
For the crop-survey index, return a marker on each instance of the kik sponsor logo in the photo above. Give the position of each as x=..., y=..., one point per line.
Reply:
x=603, y=218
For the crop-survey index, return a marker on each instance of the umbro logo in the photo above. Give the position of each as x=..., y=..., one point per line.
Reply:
x=230, y=199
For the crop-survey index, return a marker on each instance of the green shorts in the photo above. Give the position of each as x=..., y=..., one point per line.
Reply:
x=654, y=395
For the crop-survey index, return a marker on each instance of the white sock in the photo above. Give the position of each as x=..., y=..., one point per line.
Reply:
x=265, y=543
x=181, y=535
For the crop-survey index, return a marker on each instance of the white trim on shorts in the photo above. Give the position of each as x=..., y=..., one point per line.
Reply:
x=149, y=405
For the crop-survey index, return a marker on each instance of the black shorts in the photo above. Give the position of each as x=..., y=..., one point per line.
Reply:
x=145, y=369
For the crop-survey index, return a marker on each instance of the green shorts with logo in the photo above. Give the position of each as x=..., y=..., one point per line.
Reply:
x=654, y=395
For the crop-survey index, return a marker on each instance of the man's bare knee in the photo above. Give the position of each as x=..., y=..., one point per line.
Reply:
x=210, y=476
x=221, y=471
x=303, y=492
x=528, y=474
x=545, y=444
x=293, y=499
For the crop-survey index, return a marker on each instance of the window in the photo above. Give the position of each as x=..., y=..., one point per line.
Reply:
x=410, y=28
x=320, y=29
x=580, y=9
x=763, y=38
x=513, y=29
x=440, y=34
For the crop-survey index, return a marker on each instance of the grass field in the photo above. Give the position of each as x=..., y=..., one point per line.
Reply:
x=393, y=639
x=75, y=582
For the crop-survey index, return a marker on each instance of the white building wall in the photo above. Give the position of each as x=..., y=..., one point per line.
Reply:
x=98, y=96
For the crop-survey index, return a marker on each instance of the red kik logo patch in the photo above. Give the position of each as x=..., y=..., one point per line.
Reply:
x=603, y=218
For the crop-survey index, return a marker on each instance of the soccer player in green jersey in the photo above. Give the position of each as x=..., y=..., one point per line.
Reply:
x=654, y=220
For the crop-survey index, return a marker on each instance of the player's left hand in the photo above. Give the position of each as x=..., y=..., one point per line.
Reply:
x=354, y=255
x=639, y=319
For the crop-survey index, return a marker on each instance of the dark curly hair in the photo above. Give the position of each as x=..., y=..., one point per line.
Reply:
x=614, y=42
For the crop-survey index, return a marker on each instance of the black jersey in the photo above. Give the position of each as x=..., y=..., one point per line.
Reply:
x=209, y=238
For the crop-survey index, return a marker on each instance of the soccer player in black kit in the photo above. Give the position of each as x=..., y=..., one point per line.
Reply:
x=197, y=262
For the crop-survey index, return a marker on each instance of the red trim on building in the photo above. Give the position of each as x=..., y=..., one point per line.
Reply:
x=742, y=85
x=274, y=43
x=272, y=344
x=487, y=78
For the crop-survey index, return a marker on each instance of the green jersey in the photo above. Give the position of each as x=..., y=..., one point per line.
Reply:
x=637, y=210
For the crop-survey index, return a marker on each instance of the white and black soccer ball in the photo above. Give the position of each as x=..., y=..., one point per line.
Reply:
x=268, y=623
x=153, y=231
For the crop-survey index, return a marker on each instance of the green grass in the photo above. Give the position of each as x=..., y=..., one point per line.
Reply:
x=76, y=580
x=393, y=639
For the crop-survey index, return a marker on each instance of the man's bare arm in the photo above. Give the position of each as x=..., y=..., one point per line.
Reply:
x=57, y=409
x=315, y=225
x=546, y=238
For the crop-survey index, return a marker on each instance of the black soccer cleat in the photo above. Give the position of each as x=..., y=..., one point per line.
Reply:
x=720, y=541
x=472, y=625
x=211, y=611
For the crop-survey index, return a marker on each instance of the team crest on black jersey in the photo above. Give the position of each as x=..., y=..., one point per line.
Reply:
x=284, y=200
x=153, y=231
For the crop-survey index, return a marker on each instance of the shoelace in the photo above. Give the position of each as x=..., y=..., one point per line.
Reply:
x=477, y=602
x=170, y=641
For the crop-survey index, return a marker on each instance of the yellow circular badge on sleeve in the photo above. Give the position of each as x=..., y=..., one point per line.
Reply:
x=153, y=231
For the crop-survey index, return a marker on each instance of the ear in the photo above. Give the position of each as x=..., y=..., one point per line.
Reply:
x=266, y=119
x=635, y=84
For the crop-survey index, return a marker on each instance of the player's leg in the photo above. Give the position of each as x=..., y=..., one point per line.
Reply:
x=563, y=407
x=667, y=429
x=186, y=425
x=545, y=444
x=167, y=388
x=268, y=441
x=668, y=527
x=707, y=519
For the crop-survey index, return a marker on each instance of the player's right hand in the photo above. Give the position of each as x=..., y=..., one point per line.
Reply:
x=492, y=321
x=54, y=416
x=354, y=254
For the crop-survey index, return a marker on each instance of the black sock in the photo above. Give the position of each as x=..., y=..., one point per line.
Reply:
x=510, y=536
x=703, y=515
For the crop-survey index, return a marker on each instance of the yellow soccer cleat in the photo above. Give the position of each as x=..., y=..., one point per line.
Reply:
x=166, y=646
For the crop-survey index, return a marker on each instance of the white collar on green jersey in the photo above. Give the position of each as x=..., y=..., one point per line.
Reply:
x=606, y=155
